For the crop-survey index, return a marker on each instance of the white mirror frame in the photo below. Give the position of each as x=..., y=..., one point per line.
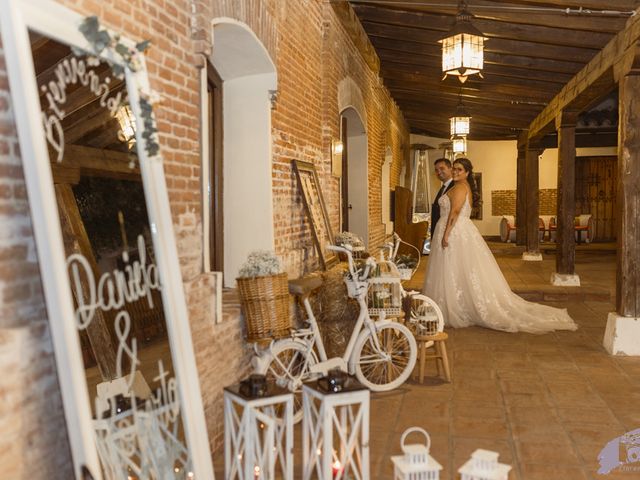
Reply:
x=61, y=24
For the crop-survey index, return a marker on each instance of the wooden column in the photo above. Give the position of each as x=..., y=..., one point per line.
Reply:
x=521, y=199
x=622, y=335
x=532, y=252
x=628, y=228
x=566, y=207
x=76, y=241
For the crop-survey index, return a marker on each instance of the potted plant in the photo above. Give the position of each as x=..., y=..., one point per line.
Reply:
x=264, y=296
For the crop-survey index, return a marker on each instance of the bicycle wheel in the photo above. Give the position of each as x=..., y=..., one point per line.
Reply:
x=289, y=367
x=389, y=366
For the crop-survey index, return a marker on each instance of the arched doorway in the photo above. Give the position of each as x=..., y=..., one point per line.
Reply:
x=248, y=82
x=355, y=184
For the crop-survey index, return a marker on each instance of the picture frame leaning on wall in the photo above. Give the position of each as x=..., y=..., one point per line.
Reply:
x=309, y=185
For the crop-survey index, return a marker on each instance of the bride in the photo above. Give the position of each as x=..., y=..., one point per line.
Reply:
x=464, y=279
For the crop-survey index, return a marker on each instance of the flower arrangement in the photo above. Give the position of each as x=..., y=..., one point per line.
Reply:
x=347, y=238
x=260, y=263
x=406, y=261
x=264, y=295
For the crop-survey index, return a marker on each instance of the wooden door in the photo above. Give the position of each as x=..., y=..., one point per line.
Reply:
x=596, y=194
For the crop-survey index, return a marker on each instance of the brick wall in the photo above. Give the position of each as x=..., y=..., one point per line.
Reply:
x=312, y=54
x=503, y=202
x=33, y=443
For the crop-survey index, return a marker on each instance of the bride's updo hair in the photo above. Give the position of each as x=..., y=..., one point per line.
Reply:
x=468, y=167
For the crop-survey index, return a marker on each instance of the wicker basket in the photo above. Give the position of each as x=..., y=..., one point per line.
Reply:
x=265, y=303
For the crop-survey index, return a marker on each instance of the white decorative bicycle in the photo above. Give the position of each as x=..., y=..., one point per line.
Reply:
x=381, y=353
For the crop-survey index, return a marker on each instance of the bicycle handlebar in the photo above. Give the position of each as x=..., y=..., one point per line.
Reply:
x=352, y=269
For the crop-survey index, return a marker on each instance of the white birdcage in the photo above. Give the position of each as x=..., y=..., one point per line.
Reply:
x=483, y=465
x=384, y=296
x=416, y=463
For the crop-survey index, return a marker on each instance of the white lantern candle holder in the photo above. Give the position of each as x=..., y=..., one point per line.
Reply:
x=483, y=465
x=416, y=463
x=258, y=435
x=335, y=433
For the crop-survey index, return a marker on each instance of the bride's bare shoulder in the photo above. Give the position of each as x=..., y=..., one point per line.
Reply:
x=458, y=191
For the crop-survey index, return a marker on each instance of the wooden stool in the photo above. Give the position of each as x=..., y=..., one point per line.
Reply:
x=438, y=342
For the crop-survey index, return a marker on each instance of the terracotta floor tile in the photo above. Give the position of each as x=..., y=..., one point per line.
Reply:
x=530, y=414
x=480, y=428
x=472, y=409
x=547, y=453
x=548, y=432
x=551, y=472
x=587, y=415
x=527, y=400
x=594, y=434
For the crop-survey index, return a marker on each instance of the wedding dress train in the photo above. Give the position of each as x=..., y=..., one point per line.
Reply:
x=465, y=281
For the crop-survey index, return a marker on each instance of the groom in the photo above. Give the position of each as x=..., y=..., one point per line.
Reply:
x=443, y=172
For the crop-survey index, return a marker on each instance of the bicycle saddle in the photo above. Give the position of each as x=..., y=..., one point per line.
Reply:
x=304, y=286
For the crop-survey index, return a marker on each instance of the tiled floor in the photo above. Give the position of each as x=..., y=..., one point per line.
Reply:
x=548, y=404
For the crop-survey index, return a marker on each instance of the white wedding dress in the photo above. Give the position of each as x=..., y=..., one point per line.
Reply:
x=465, y=281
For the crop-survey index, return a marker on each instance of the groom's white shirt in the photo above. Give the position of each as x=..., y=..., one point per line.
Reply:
x=446, y=184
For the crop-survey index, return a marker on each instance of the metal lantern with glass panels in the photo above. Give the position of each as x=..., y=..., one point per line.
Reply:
x=463, y=48
x=459, y=145
x=460, y=122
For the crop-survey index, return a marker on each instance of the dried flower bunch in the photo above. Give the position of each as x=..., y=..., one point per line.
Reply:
x=260, y=263
x=348, y=238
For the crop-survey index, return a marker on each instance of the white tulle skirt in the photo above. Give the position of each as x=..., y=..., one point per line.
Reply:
x=465, y=281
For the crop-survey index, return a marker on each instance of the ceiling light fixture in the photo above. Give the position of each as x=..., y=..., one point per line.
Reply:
x=463, y=47
x=460, y=121
x=459, y=145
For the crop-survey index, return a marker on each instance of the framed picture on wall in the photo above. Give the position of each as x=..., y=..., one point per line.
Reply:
x=309, y=185
x=476, y=212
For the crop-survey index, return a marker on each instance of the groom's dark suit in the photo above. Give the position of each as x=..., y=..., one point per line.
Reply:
x=435, y=207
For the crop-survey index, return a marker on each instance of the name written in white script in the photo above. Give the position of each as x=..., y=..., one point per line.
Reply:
x=70, y=71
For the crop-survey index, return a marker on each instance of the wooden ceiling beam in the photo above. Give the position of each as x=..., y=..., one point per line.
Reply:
x=498, y=45
x=523, y=61
x=97, y=159
x=389, y=71
x=593, y=81
x=477, y=87
x=413, y=62
x=401, y=88
x=491, y=29
x=499, y=12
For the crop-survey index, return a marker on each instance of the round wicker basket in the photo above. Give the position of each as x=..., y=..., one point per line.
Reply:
x=265, y=304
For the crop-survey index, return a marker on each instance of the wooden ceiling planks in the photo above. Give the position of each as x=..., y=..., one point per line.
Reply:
x=535, y=47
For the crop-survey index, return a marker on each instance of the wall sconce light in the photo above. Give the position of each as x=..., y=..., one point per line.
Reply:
x=127, y=122
x=337, y=147
x=463, y=47
x=459, y=144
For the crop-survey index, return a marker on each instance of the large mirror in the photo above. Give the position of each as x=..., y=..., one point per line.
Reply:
x=117, y=310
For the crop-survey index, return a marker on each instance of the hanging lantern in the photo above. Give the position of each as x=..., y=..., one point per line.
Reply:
x=459, y=144
x=127, y=122
x=463, y=48
x=461, y=121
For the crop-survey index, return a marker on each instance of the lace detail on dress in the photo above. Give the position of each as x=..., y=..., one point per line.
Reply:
x=465, y=280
